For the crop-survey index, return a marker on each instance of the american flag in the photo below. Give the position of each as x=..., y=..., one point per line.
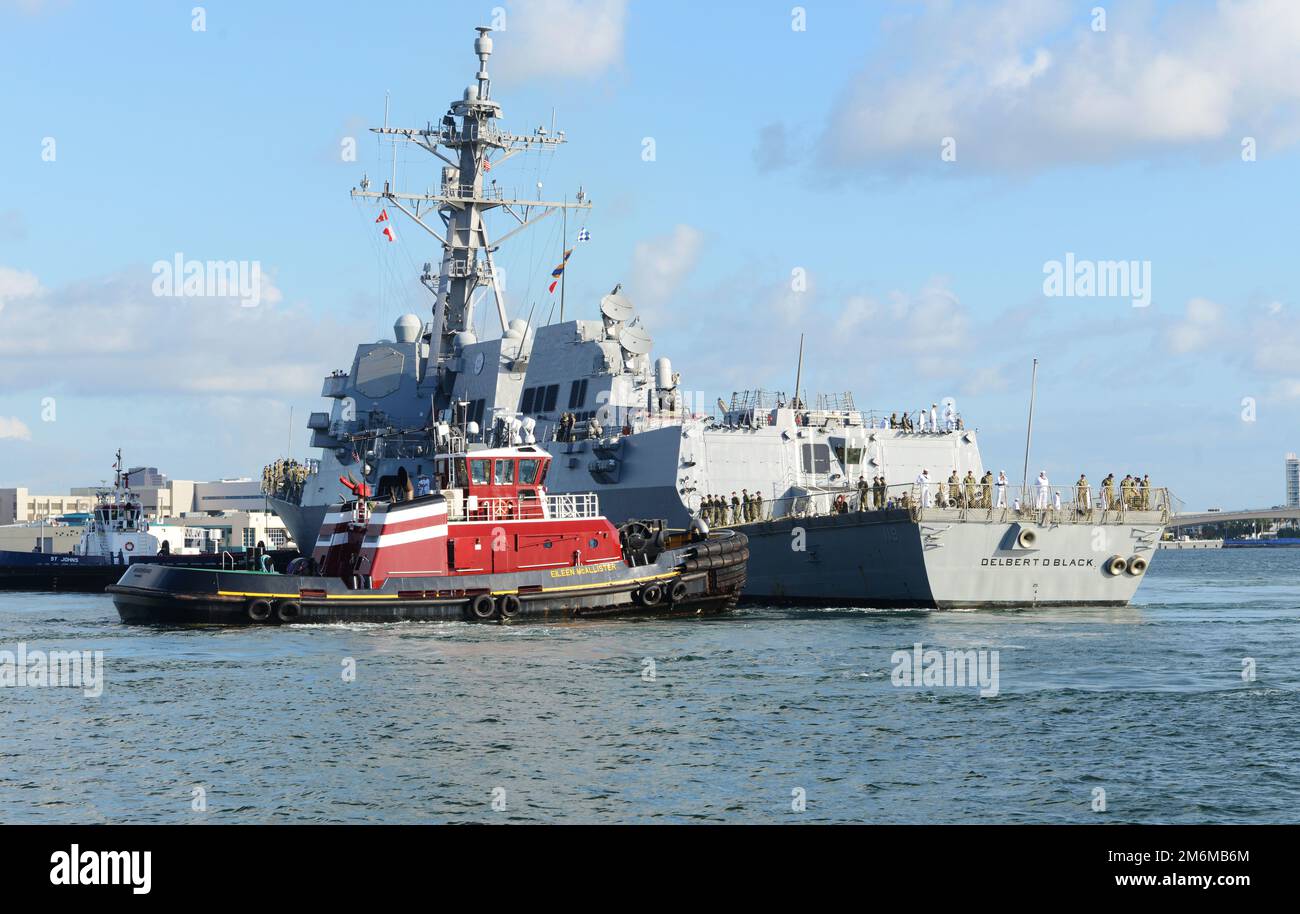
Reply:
x=584, y=235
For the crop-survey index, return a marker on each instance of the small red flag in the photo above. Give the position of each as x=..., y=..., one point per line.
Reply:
x=383, y=216
x=388, y=233
x=554, y=284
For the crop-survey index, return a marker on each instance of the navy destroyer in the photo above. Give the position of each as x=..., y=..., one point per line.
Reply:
x=857, y=508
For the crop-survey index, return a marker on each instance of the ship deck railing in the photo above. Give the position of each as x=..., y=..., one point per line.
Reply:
x=986, y=505
x=575, y=506
x=1048, y=505
x=758, y=408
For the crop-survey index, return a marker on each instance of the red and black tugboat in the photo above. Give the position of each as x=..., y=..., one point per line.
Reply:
x=485, y=543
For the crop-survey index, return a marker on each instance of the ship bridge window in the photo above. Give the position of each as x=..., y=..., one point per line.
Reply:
x=505, y=472
x=540, y=399
x=577, y=393
x=528, y=472
x=479, y=471
x=849, y=456
x=816, y=458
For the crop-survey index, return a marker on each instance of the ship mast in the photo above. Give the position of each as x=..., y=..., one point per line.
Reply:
x=474, y=145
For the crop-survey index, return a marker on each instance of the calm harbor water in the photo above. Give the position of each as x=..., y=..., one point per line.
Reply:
x=744, y=715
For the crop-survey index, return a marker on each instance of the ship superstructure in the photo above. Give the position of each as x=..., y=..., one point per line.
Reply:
x=617, y=423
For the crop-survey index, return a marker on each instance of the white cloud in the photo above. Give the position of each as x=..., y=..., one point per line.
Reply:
x=559, y=38
x=16, y=284
x=114, y=335
x=1198, y=328
x=1027, y=85
x=662, y=263
x=1262, y=340
x=12, y=427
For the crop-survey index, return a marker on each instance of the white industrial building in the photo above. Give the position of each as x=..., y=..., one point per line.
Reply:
x=232, y=511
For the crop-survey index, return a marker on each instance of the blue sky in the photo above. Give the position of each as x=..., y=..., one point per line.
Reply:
x=776, y=150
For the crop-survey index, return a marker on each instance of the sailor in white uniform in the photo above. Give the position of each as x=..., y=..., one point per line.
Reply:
x=1044, y=489
x=924, y=482
x=934, y=416
x=1002, y=488
x=949, y=417
x=920, y=421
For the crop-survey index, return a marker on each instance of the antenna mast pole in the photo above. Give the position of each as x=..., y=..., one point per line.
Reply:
x=564, y=244
x=1029, y=431
x=798, y=375
x=463, y=141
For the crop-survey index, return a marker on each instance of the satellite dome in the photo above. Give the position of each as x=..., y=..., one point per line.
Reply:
x=407, y=329
x=465, y=338
x=471, y=93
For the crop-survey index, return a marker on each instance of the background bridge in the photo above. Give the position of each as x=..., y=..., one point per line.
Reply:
x=1222, y=517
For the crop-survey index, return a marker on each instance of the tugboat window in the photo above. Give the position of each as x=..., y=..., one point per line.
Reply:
x=528, y=472
x=479, y=471
x=505, y=472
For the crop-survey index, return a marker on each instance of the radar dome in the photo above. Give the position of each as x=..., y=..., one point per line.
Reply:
x=407, y=329
x=465, y=338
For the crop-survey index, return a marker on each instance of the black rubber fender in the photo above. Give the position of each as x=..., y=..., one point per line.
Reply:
x=482, y=607
x=508, y=605
x=259, y=610
x=288, y=610
x=651, y=595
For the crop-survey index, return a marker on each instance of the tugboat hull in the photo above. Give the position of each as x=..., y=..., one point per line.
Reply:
x=37, y=571
x=706, y=576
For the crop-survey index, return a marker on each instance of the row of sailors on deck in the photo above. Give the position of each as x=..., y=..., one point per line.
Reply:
x=744, y=508
x=568, y=431
x=970, y=492
x=951, y=421
x=872, y=495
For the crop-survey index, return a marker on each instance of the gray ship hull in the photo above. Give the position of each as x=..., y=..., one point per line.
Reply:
x=302, y=521
x=888, y=559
